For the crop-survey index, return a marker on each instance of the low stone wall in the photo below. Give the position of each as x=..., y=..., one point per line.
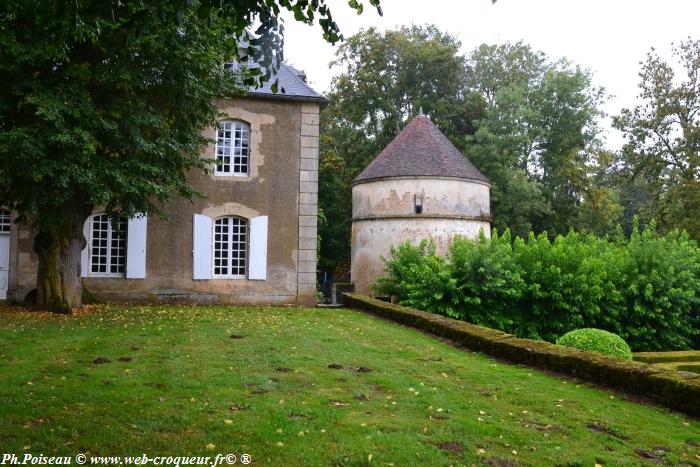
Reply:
x=676, y=389
x=668, y=357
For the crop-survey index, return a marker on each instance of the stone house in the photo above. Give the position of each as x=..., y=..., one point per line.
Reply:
x=251, y=241
x=419, y=187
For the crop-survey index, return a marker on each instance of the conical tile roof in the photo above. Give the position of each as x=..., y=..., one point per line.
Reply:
x=420, y=150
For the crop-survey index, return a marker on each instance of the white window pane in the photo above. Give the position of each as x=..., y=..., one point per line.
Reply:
x=230, y=247
x=232, y=138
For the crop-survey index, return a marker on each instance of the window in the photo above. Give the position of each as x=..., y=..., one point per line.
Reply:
x=107, y=246
x=5, y=221
x=232, y=148
x=230, y=247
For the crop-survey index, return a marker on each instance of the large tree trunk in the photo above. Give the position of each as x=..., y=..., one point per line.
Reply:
x=58, y=284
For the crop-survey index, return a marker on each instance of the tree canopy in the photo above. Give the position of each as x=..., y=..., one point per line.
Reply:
x=660, y=162
x=387, y=77
x=527, y=122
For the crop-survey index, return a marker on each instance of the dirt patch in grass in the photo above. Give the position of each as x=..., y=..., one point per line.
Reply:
x=125, y=359
x=283, y=369
x=335, y=366
x=610, y=431
x=35, y=423
x=451, y=446
x=101, y=360
x=363, y=369
x=233, y=407
x=299, y=416
x=658, y=454
x=541, y=426
x=236, y=336
x=360, y=397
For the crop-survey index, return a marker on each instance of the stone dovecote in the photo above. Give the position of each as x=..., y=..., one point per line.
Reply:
x=420, y=186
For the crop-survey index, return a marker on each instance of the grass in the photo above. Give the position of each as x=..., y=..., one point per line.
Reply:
x=185, y=386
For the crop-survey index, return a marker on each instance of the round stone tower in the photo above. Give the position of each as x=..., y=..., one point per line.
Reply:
x=420, y=186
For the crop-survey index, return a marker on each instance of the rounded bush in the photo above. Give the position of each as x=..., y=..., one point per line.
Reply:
x=597, y=340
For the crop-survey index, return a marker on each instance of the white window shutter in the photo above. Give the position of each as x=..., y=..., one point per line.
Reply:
x=85, y=254
x=257, y=269
x=201, y=247
x=136, y=247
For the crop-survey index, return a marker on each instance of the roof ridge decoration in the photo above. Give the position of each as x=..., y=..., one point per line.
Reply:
x=421, y=150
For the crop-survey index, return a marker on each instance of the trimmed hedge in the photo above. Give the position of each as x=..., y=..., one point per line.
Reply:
x=663, y=357
x=693, y=367
x=645, y=288
x=597, y=340
x=674, y=389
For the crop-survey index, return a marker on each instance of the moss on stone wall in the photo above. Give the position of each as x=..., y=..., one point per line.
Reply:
x=674, y=389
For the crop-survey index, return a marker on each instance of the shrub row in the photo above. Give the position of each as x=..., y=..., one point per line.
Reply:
x=645, y=287
x=674, y=389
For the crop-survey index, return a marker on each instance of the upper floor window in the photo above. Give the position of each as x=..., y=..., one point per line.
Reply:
x=230, y=247
x=107, y=246
x=232, y=148
x=5, y=221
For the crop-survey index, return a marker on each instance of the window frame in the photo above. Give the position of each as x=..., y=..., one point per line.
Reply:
x=110, y=233
x=245, y=144
x=245, y=250
x=5, y=221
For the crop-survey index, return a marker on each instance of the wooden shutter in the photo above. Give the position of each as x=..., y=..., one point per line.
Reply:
x=201, y=247
x=257, y=269
x=85, y=254
x=136, y=247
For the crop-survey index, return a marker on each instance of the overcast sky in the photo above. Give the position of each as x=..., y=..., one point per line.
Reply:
x=609, y=37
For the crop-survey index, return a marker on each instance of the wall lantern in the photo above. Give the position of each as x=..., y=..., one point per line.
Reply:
x=418, y=203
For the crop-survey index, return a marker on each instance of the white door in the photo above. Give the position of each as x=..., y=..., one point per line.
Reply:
x=5, y=227
x=4, y=264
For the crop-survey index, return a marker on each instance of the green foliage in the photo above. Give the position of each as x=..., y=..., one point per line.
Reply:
x=661, y=158
x=527, y=122
x=108, y=107
x=597, y=340
x=645, y=287
x=387, y=76
x=537, y=140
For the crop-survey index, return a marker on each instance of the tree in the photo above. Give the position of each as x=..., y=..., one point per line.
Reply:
x=538, y=137
x=387, y=77
x=662, y=149
x=103, y=104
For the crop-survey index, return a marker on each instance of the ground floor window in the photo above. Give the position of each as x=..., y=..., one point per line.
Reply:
x=5, y=221
x=230, y=247
x=107, y=246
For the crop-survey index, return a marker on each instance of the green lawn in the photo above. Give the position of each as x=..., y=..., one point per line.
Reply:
x=177, y=383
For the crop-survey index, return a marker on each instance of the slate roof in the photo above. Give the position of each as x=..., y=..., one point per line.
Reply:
x=291, y=87
x=421, y=149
